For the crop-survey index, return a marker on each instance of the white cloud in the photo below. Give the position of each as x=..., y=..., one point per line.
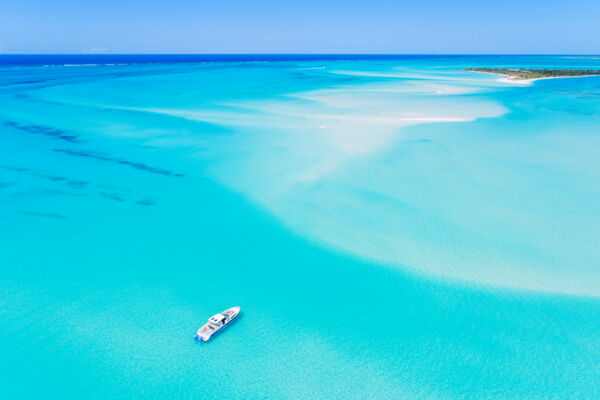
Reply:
x=96, y=50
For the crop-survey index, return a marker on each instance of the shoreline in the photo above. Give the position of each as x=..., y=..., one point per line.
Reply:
x=507, y=78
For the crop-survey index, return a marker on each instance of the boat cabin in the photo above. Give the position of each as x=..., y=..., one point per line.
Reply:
x=218, y=319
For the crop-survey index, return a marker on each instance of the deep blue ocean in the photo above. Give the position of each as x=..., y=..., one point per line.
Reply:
x=393, y=227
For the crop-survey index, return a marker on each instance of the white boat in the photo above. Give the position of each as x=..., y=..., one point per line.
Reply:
x=216, y=324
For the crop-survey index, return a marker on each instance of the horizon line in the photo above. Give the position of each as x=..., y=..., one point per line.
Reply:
x=297, y=54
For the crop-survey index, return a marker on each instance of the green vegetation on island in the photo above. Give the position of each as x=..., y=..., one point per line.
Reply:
x=521, y=73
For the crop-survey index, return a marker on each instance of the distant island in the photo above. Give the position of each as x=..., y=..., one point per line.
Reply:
x=521, y=74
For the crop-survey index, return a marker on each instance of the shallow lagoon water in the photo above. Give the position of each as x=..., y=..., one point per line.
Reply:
x=392, y=228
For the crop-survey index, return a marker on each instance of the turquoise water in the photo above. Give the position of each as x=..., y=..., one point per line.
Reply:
x=391, y=227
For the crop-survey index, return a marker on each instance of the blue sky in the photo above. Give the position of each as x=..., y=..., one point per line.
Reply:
x=309, y=26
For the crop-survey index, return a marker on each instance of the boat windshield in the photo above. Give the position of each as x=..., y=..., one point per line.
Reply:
x=217, y=319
